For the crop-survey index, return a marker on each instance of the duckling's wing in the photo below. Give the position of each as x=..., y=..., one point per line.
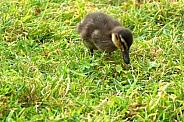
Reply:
x=85, y=28
x=103, y=42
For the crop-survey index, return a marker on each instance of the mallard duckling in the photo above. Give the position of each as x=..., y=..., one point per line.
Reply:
x=101, y=32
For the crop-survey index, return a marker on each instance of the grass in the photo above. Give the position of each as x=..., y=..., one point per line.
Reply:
x=47, y=74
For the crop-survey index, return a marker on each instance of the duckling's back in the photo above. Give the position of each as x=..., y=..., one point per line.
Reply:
x=96, y=21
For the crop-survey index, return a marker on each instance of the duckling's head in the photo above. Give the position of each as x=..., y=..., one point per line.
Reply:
x=122, y=39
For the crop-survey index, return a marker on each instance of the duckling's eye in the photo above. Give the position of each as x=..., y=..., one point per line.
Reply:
x=121, y=42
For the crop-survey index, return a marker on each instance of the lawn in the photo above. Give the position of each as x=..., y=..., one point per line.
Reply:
x=47, y=74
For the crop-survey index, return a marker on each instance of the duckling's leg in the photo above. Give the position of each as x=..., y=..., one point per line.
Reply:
x=91, y=51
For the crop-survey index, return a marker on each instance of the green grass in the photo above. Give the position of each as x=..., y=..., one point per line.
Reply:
x=47, y=74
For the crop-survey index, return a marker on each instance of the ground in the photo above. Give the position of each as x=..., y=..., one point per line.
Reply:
x=47, y=74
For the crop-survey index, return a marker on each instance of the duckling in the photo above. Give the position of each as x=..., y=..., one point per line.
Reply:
x=100, y=31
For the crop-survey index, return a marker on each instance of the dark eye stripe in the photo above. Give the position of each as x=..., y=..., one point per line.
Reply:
x=117, y=37
x=123, y=44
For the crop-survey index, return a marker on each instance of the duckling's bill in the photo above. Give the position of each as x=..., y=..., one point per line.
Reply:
x=126, y=57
